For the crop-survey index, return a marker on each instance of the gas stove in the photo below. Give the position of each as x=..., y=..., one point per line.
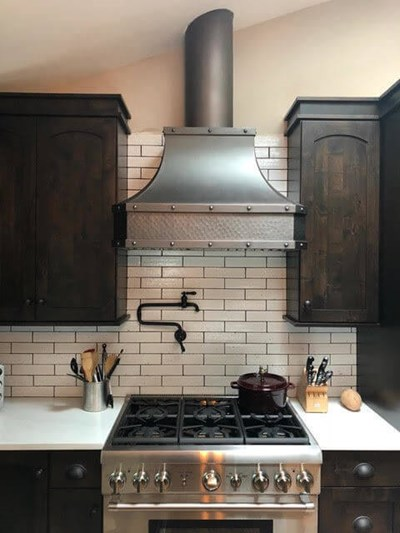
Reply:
x=165, y=445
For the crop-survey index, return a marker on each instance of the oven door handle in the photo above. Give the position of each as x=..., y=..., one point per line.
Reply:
x=307, y=506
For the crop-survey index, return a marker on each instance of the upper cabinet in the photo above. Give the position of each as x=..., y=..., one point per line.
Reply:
x=60, y=159
x=333, y=148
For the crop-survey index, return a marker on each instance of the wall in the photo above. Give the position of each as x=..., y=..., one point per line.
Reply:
x=339, y=48
x=241, y=295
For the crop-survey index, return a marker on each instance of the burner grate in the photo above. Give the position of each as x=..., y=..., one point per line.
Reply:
x=210, y=421
x=148, y=421
x=280, y=428
x=202, y=421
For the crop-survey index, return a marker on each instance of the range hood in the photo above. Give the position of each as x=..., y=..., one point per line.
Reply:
x=209, y=190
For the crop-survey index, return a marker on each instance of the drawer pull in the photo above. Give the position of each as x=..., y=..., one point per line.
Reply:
x=76, y=472
x=364, y=471
x=362, y=524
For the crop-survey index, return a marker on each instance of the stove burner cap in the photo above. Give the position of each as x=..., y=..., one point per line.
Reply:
x=152, y=432
x=209, y=413
x=151, y=412
x=274, y=433
x=212, y=432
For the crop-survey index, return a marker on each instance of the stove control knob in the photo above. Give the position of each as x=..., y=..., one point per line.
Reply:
x=283, y=481
x=305, y=480
x=162, y=480
x=117, y=481
x=236, y=481
x=211, y=480
x=260, y=481
x=140, y=480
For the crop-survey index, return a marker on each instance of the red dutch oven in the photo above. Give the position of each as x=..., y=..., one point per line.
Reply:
x=262, y=393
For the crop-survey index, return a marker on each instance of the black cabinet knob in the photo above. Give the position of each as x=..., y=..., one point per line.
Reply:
x=364, y=471
x=29, y=301
x=76, y=472
x=94, y=511
x=41, y=301
x=362, y=524
x=307, y=305
x=39, y=472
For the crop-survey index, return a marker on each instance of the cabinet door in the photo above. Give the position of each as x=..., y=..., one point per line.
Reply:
x=350, y=510
x=340, y=188
x=76, y=187
x=17, y=218
x=23, y=492
x=75, y=510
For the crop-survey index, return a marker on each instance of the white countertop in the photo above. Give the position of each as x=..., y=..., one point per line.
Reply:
x=61, y=424
x=341, y=429
x=53, y=424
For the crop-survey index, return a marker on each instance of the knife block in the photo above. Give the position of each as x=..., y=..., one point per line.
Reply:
x=313, y=398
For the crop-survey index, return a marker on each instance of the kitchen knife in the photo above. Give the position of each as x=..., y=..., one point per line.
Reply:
x=326, y=377
x=321, y=370
x=310, y=369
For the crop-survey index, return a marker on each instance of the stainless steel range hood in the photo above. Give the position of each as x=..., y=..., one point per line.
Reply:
x=209, y=190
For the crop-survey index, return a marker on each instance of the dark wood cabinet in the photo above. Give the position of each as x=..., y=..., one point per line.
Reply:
x=360, y=492
x=334, y=171
x=23, y=492
x=50, y=492
x=75, y=501
x=60, y=158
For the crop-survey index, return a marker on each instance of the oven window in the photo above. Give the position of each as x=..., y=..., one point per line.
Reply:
x=210, y=526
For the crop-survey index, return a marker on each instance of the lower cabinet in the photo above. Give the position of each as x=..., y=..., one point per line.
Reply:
x=360, y=492
x=23, y=492
x=50, y=492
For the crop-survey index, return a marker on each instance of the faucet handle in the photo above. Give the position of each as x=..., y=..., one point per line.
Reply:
x=180, y=336
x=184, y=297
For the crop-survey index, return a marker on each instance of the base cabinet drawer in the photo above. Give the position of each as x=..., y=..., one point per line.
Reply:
x=356, y=510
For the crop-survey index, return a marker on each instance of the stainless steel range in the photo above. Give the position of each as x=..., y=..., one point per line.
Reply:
x=199, y=463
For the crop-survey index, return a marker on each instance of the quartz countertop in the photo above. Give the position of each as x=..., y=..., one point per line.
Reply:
x=341, y=429
x=62, y=424
x=53, y=424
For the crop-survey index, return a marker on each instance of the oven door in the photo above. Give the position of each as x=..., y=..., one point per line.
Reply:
x=287, y=514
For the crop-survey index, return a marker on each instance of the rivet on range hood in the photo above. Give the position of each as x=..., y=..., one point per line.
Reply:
x=209, y=190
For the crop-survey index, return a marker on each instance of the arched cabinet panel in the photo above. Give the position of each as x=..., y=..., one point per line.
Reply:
x=60, y=160
x=334, y=172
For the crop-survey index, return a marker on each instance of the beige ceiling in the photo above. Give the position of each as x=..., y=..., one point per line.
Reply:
x=65, y=39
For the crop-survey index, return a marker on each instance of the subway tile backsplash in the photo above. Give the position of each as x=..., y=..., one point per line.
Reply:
x=241, y=295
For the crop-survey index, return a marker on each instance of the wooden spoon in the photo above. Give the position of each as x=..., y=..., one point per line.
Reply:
x=89, y=360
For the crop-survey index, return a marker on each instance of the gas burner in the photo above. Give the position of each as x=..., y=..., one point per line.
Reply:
x=275, y=433
x=268, y=419
x=151, y=412
x=209, y=432
x=209, y=412
x=153, y=432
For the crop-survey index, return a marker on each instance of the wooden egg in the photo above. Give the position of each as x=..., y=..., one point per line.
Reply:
x=351, y=400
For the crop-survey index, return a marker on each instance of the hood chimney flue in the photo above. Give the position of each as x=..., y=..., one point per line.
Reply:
x=209, y=70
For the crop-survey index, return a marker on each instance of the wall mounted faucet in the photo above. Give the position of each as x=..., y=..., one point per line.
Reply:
x=180, y=333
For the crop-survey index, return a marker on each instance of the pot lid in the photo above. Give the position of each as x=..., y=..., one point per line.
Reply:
x=262, y=381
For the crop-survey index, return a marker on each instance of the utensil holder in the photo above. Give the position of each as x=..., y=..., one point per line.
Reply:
x=94, y=396
x=313, y=398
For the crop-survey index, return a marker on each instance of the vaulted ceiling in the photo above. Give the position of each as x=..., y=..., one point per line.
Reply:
x=67, y=39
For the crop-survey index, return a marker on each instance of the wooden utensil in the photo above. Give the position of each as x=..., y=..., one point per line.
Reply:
x=89, y=361
x=109, y=363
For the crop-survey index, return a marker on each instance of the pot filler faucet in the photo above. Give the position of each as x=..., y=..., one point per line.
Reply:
x=180, y=333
